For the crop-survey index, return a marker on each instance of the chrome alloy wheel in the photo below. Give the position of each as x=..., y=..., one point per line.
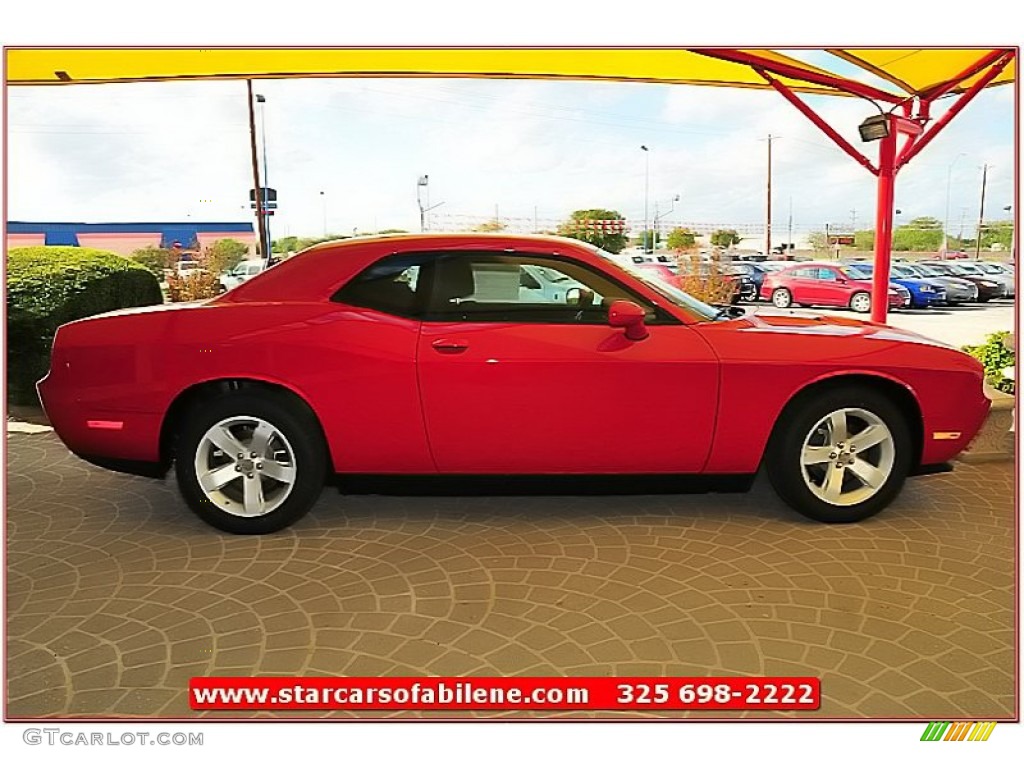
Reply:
x=847, y=457
x=245, y=466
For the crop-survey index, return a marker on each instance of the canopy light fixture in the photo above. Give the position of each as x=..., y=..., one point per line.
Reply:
x=874, y=128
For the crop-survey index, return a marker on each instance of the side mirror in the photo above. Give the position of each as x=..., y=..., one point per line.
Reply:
x=628, y=315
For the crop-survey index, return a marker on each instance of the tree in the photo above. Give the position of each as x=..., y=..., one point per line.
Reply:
x=864, y=240
x=582, y=225
x=156, y=260
x=680, y=239
x=817, y=241
x=490, y=226
x=921, y=234
x=223, y=255
x=284, y=244
x=723, y=238
x=998, y=233
x=648, y=239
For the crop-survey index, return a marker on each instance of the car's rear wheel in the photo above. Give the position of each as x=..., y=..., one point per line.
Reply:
x=782, y=298
x=860, y=302
x=250, y=463
x=841, y=455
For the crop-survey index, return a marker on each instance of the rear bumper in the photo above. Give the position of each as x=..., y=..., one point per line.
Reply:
x=99, y=434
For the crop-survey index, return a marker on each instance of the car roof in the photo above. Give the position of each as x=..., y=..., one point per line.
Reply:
x=490, y=238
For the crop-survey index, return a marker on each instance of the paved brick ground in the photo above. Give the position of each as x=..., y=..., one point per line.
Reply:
x=117, y=595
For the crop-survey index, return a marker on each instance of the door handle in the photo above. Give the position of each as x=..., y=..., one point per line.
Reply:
x=450, y=346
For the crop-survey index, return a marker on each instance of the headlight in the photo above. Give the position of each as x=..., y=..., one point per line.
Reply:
x=927, y=289
x=989, y=283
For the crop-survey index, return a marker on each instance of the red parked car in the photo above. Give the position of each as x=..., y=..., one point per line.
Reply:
x=424, y=354
x=825, y=285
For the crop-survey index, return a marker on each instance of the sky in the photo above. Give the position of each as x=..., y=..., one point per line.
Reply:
x=513, y=148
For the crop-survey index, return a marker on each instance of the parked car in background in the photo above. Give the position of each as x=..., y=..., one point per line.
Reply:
x=244, y=270
x=988, y=288
x=756, y=272
x=417, y=355
x=923, y=293
x=185, y=267
x=958, y=290
x=945, y=255
x=826, y=285
x=996, y=271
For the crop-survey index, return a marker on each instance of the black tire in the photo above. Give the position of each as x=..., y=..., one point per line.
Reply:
x=855, y=297
x=783, y=455
x=782, y=298
x=292, y=419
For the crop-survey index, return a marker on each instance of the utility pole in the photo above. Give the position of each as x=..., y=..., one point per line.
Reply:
x=647, y=185
x=535, y=230
x=789, y=240
x=853, y=219
x=768, y=213
x=260, y=202
x=981, y=212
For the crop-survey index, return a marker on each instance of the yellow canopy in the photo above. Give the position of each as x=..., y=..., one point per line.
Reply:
x=917, y=70
x=908, y=70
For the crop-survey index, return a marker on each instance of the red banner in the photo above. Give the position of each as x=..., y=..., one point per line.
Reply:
x=505, y=693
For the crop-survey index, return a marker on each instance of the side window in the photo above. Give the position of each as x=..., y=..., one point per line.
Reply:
x=824, y=273
x=523, y=288
x=389, y=285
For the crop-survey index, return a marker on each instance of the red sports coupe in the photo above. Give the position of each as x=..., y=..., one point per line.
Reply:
x=433, y=354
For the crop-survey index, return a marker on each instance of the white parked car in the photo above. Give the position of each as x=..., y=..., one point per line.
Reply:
x=242, y=271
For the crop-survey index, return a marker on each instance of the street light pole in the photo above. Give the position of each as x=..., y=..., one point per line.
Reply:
x=658, y=217
x=647, y=181
x=981, y=212
x=768, y=213
x=262, y=101
x=949, y=178
x=260, y=202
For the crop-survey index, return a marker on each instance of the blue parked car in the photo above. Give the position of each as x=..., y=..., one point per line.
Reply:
x=923, y=293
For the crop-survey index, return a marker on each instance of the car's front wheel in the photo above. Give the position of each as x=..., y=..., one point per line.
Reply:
x=782, y=298
x=841, y=455
x=250, y=463
x=860, y=302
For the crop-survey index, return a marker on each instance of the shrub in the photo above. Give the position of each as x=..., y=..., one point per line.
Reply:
x=49, y=286
x=704, y=280
x=156, y=260
x=199, y=284
x=996, y=354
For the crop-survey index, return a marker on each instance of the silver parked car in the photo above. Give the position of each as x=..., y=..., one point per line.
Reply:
x=241, y=272
x=999, y=271
x=957, y=290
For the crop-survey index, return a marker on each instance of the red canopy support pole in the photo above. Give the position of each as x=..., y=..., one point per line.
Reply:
x=883, y=225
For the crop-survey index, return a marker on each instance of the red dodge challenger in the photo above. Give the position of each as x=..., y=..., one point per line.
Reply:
x=445, y=354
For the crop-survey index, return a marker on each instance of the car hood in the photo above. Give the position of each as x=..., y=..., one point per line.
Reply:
x=783, y=322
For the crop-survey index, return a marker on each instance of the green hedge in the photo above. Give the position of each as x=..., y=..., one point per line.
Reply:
x=996, y=354
x=48, y=286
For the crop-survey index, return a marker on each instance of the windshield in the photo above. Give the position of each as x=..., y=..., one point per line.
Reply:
x=856, y=271
x=927, y=271
x=992, y=269
x=677, y=297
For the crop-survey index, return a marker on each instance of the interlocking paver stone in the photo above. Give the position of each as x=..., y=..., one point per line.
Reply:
x=117, y=594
